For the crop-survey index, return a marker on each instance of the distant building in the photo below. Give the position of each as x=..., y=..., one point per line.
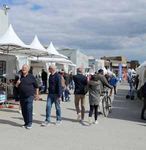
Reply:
x=116, y=64
x=96, y=64
x=77, y=57
x=3, y=21
x=134, y=64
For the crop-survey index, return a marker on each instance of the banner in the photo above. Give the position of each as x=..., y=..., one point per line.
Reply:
x=120, y=72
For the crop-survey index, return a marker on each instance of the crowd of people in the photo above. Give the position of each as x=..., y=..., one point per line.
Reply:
x=58, y=85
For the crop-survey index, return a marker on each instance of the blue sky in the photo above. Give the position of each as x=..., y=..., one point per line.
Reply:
x=98, y=28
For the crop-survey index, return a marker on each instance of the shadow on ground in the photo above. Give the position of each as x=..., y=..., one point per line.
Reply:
x=126, y=109
x=8, y=122
x=64, y=118
x=73, y=109
x=34, y=120
x=9, y=110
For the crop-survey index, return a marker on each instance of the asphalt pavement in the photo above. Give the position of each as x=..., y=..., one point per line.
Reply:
x=121, y=130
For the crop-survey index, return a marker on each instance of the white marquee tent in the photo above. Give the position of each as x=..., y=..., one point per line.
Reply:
x=10, y=42
x=53, y=52
x=51, y=60
x=36, y=48
x=43, y=62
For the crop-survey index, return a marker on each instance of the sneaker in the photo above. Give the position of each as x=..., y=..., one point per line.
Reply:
x=79, y=116
x=28, y=127
x=23, y=126
x=96, y=122
x=82, y=121
x=58, y=122
x=19, y=111
x=45, y=123
x=90, y=120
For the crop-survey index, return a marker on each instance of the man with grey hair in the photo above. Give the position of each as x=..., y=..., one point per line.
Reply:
x=27, y=87
x=80, y=82
x=54, y=96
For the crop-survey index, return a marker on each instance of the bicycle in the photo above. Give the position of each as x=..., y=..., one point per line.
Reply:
x=106, y=103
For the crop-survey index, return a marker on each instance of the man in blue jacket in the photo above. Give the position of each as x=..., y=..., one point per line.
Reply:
x=54, y=96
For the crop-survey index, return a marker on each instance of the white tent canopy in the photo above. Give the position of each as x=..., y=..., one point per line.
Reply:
x=36, y=45
x=36, y=48
x=47, y=59
x=10, y=41
x=53, y=52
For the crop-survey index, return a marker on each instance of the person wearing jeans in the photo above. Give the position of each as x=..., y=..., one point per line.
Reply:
x=54, y=96
x=27, y=86
x=50, y=100
x=27, y=109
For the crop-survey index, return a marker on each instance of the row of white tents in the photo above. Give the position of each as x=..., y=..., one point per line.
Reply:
x=10, y=43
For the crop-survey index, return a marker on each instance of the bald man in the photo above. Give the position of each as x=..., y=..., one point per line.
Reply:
x=80, y=81
x=28, y=88
x=54, y=96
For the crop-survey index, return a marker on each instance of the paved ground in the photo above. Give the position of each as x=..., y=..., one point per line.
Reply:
x=122, y=130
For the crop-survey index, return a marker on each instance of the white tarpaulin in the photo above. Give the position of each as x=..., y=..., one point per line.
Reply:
x=50, y=60
x=141, y=71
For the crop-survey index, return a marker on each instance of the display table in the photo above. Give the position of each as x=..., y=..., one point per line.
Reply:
x=5, y=91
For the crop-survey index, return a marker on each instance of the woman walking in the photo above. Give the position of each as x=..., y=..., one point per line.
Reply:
x=94, y=98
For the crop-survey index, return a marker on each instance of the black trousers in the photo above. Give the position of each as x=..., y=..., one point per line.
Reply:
x=27, y=109
x=143, y=108
x=93, y=108
x=45, y=86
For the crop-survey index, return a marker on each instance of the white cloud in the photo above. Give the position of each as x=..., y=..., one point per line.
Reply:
x=92, y=25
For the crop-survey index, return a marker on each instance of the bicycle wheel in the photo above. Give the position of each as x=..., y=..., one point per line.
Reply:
x=105, y=106
x=109, y=104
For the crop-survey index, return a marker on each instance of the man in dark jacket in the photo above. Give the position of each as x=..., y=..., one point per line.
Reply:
x=27, y=87
x=54, y=96
x=44, y=76
x=144, y=101
x=100, y=76
x=80, y=82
